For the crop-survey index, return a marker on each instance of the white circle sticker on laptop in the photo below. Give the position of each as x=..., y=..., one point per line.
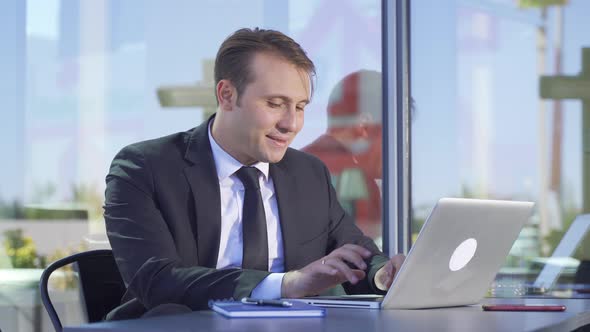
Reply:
x=463, y=254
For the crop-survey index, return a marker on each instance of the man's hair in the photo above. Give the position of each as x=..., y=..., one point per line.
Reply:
x=237, y=51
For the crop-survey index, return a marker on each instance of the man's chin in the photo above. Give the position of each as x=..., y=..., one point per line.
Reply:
x=273, y=158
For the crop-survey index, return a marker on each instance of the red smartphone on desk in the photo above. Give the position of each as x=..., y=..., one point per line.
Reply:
x=523, y=307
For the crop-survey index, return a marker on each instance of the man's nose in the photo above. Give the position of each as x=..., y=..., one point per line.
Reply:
x=289, y=120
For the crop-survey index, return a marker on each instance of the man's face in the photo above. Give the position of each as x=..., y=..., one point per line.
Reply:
x=270, y=110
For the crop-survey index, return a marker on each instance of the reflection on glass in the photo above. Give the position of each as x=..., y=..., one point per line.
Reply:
x=502, y=96
x=351, y=148
x=560, y=259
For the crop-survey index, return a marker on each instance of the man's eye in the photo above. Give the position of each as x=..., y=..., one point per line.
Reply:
x=273, y=105
x=301, y=108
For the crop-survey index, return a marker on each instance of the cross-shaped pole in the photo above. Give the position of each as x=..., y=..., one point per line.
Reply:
x=201, y=94
x=575, y=87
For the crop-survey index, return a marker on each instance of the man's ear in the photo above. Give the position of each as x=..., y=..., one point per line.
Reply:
x=226, y=95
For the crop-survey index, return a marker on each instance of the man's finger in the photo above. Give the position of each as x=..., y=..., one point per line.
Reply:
x=350, y=256
x=389, y=282
x=389, y=273
x=323, y=267
x=396, y=262
x=360, y=274
x=366, y=253
x=389, y=269
x=343, y=268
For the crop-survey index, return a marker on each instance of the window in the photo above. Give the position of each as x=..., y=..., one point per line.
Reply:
x=488, y=82
x=82, y=79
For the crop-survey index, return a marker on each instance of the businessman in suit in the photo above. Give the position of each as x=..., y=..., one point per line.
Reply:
x=227, y=209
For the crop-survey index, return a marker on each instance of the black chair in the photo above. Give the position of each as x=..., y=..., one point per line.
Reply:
x=101, y=286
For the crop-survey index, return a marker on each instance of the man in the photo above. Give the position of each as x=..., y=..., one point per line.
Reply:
x=225, y=209
x=352, y=146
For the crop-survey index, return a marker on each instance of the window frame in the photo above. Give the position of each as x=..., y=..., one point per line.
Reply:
x=396, y=126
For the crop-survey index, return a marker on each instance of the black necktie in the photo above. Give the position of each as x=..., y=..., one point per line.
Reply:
x=253, y=222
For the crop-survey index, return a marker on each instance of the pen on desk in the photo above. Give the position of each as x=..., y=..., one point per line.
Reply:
x=273, y=303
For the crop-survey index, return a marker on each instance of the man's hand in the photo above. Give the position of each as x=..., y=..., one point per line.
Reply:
x=384, y=277
x=327, y=272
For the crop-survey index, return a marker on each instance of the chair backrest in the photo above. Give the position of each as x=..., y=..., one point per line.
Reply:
x=101, y=286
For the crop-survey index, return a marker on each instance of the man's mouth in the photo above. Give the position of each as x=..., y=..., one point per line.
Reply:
x=278, y=141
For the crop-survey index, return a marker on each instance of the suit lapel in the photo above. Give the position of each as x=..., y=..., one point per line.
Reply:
x=202, y=178
x=286, y=192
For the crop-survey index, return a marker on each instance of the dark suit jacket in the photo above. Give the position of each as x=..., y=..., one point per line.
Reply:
x=163, y=219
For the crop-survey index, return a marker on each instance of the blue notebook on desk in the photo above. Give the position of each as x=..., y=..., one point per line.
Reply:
x=237, y=309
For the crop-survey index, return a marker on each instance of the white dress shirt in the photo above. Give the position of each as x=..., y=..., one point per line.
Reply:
x=232, y=200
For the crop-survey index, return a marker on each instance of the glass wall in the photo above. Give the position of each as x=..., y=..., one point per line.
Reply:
x=82, y=79
x=502, y=86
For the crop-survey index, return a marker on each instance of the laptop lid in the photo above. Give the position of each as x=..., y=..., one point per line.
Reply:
x=457, y=254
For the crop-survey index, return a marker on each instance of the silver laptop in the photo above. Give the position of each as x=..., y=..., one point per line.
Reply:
x=456, y=256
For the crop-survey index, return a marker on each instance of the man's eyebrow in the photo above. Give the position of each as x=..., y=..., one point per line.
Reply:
x=287, y=99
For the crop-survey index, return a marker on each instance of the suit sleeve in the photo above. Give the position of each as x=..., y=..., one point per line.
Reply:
x=343, y=231
x=145, y=250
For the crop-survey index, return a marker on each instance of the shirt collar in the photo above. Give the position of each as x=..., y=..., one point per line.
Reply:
x=227, y=165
